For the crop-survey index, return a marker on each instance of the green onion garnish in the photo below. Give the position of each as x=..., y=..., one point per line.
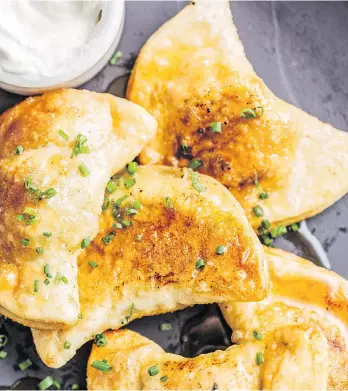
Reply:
x=257, y=335
x=165, y=326
x=47, y=281
x=92, y=264
x=136, y=204
x=106, y=203
x=75, y=387
x=40, y=250
x=266, y=240
x=67, y=345
x=259, y=358
x=164, y=378
x=29, y=186
x=119, y=201
x=195, y=182
x=100, y=340
x=117, y=225
x=153, y=371
x=125, y=223
x=36, y=286
x=128, y=317
x=195, y=164
x=263, y=195
x=25, y=242
x=294, y=227
x=85, y=242
x=279, y=231
x=25, y=364
x=258, y=212
x=19, y=150
x=20, y=217
x=111, y=187
x=80, y=147
x=216, y=127
x=131, y=211
x=3, y=340
x=47, y=269
x=3, y=354
x=252, y=113
x=46, y=383
x=63, y=134
x=132, y=168
x=108, y=238
x=49, y=193
x=168, y=203
x=220, y=250
x=200, y=264
x=102, y=365
x=115, y=57
x=64, y=280
x=128, y=183
x=47, y=234
x=84, y=171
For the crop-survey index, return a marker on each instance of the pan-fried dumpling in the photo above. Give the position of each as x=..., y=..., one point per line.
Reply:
x=57, y=153
x=300, y=293
x=169, y=238
x=215, y=112
x=292, y=358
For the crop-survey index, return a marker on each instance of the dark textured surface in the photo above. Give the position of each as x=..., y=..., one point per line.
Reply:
x=300, y=50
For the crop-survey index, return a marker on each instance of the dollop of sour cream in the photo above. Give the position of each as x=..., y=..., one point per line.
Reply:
x=45, y=42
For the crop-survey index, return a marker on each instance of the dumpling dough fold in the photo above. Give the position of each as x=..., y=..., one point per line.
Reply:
x=57, y=153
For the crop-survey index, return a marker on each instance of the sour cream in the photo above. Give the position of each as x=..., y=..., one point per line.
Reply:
x=46, y=43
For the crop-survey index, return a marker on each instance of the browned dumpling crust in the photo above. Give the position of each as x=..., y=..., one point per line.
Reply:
x=215, y=112
x=57, y=153
x=162, y=246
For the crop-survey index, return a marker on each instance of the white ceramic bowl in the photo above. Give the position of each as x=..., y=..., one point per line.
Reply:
x=112, y=19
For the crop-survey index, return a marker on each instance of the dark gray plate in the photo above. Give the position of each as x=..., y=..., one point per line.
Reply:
x=300, y=49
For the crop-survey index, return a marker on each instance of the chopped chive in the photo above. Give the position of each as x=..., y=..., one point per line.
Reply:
x=248, y=113
x=19, y=150
x=67, y=345
x=108, y=238
x=111, y=187
x=184, y=146
x=195, y=182
x=64, y=280
x=266, y=224
x=131, y=211
x=20, y=217
x=279, y=231
x=29, y=211
x=128, y=183
x=40, y=250
x=49, y=193
x=194, y=164
x=106, y=203
x=29, y=186
x=136, y=204
x=115, y=57
x=164, y=378
x=80, y=147
x=76, y=386
x=85, y=242
x=220, y=250
x=165, y=326
x=200, y=264
x=36, y=286
x=263, y=195
x=3, y=340
x=117, y=225
x=100, y=340
x=102, y=365
x=84, y=170
x=216, y=127
x=56, y=384
x=139, y=237
x=3, y=354
x=80, y=316
x=25, y=364
x=132, y=168
x=63, y=134
x=257, y=335
x=46, y=383
x=47, y=269
x=294, y=227
x=153, y=371
x=25, y=242
x=266, y=240
x=125, y=223
x=47, y=234
x=119, y=201
x=128, y=317
x=259, y=358
x=58, y=277
x=92, y=264
x=258, y=212
x=47, y=281
x=168, y=203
